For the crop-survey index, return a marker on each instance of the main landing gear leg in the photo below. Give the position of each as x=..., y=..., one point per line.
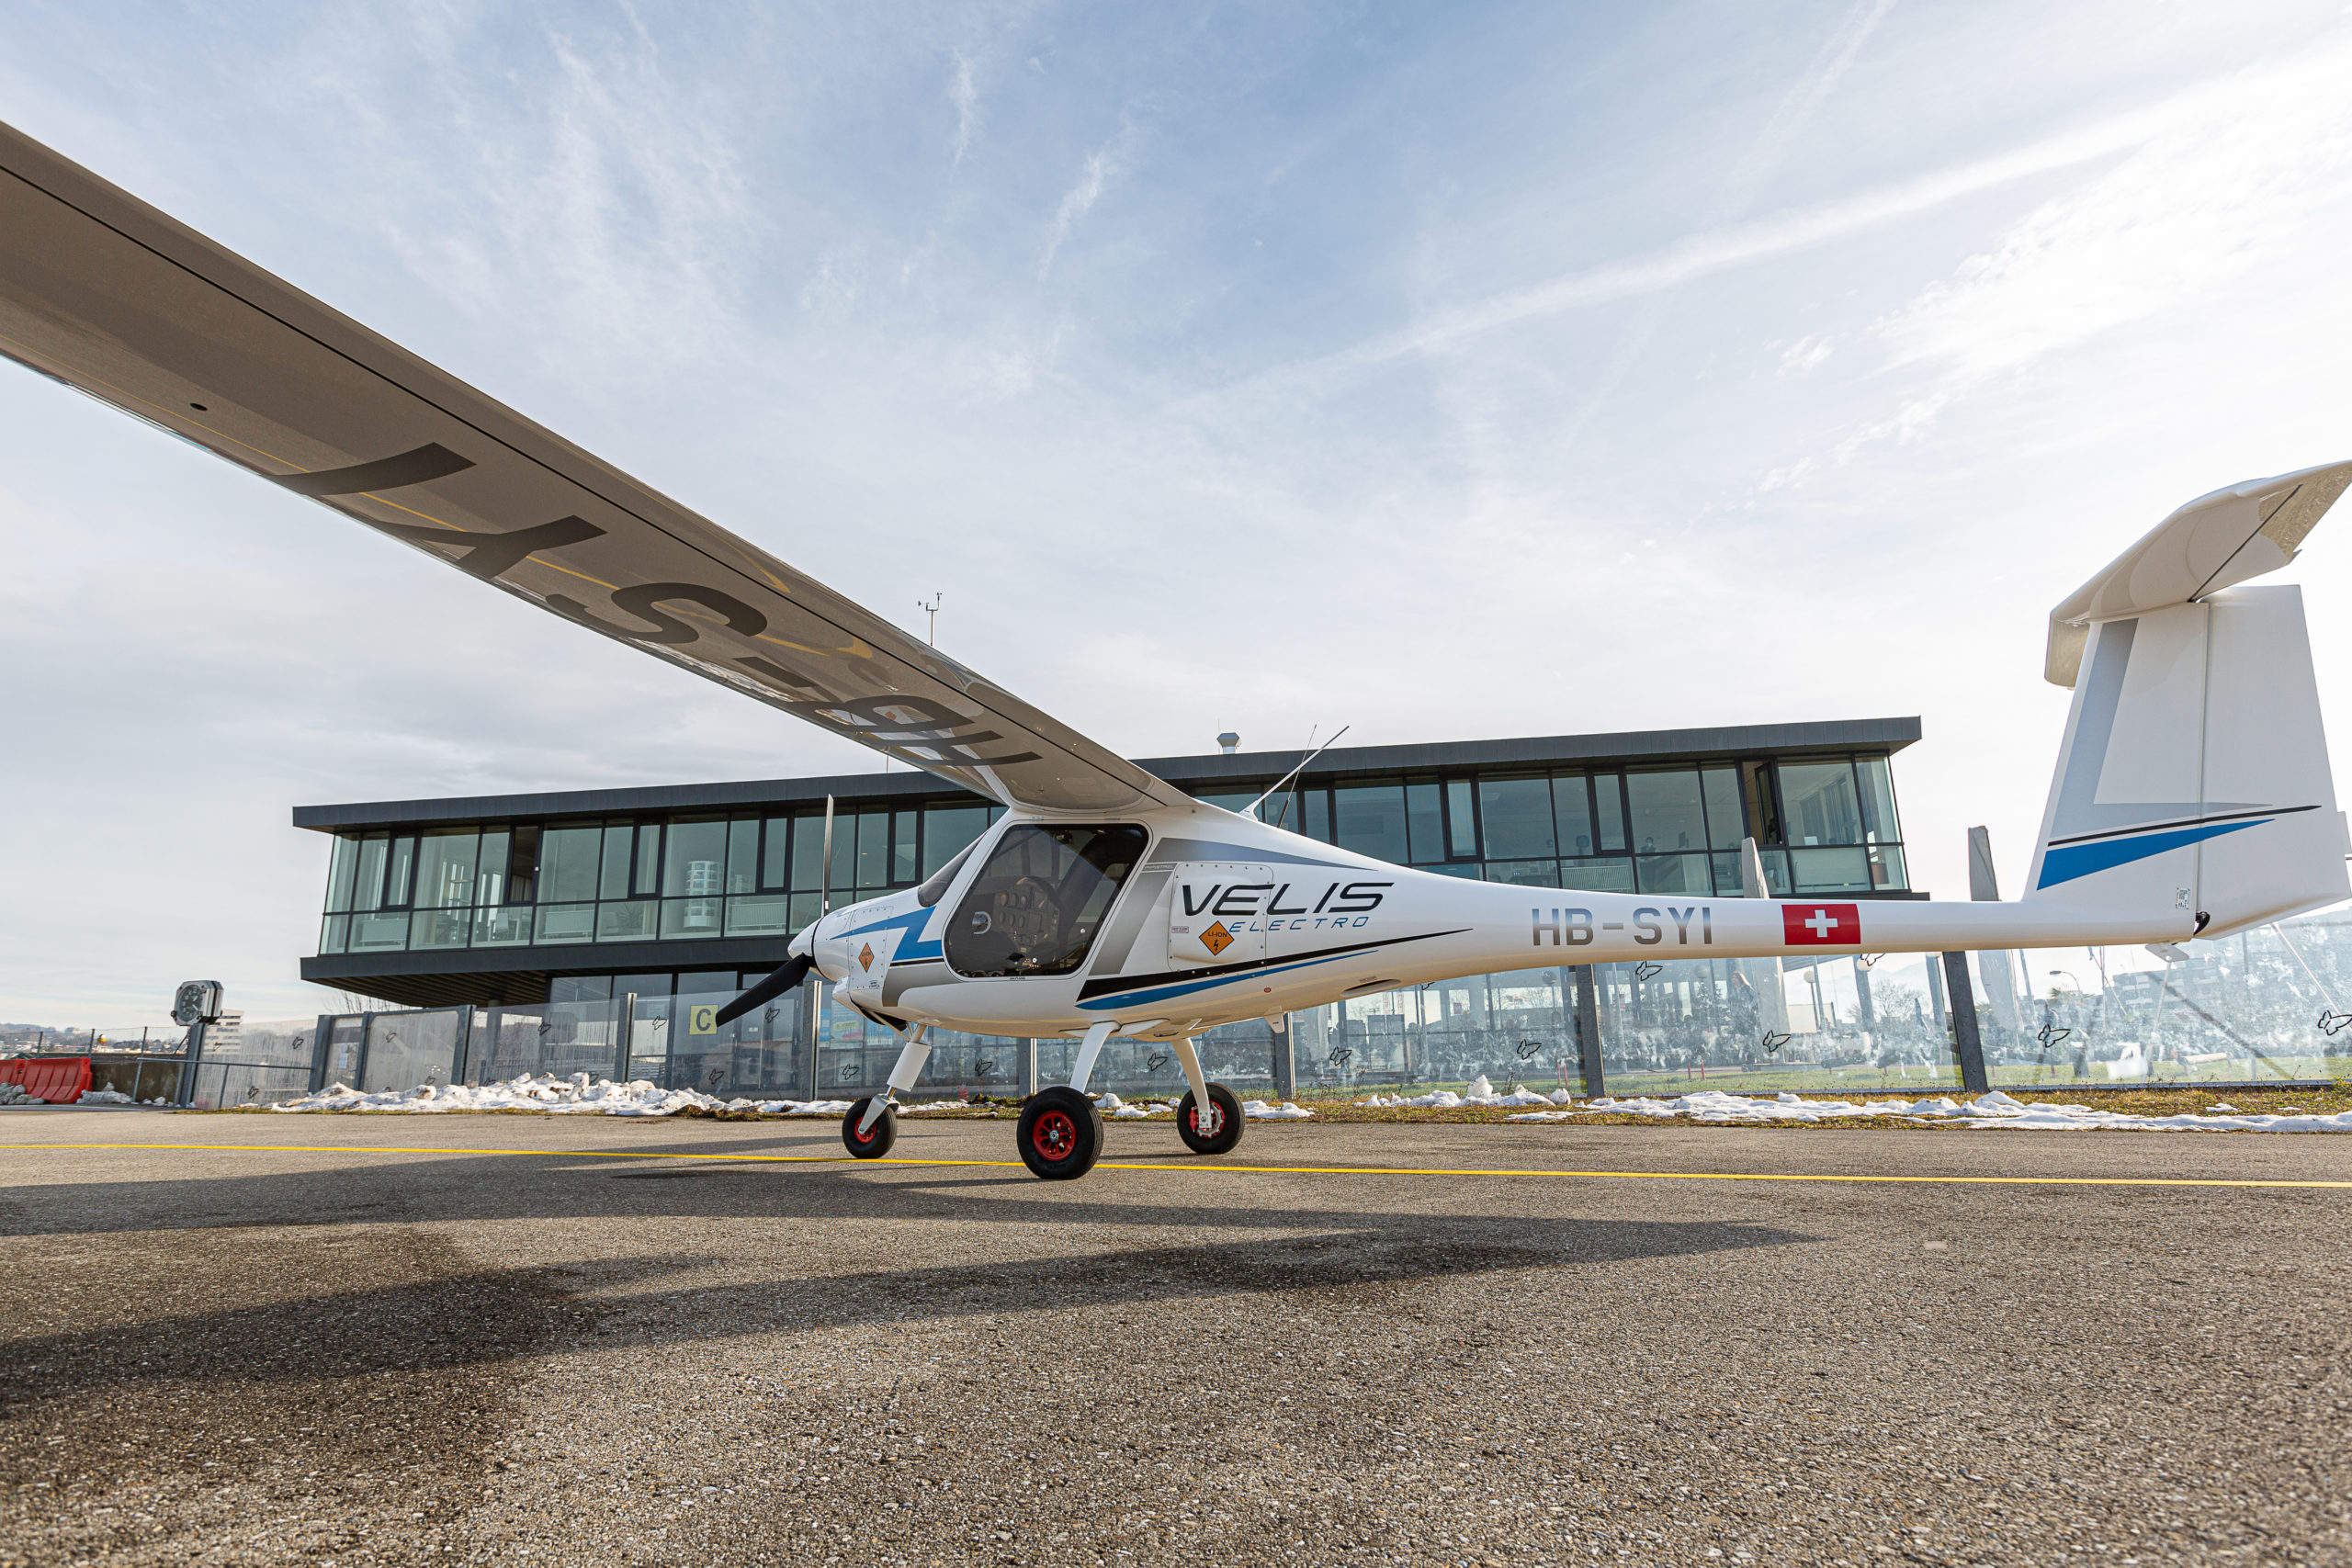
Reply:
x=1089, y=1049
x=1209, y=1118
x=1060, y=1134
x=872, y=1124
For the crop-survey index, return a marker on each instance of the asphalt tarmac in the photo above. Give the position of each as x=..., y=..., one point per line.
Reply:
x=442, y=1340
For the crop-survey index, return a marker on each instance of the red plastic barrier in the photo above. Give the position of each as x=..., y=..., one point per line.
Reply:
x=56, y=1080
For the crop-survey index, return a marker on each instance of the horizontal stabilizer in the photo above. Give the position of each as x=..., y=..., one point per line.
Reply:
x=2215, y=542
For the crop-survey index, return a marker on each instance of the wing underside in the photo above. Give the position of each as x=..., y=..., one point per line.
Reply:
x=104, y=293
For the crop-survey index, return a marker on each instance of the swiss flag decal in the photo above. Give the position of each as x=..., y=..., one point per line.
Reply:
x=1821, y=925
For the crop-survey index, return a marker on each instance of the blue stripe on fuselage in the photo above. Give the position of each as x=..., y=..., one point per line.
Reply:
x=1165, y=993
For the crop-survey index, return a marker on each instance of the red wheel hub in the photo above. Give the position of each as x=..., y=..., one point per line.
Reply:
x=1054, y=1135
x=1207, y=1121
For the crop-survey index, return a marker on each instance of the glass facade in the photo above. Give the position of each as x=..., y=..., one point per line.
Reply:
x=678, y=877
x=1824, y=824
x=1659, y=830
x=551, y=897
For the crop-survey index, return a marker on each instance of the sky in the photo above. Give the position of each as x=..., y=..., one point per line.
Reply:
x=1443, y=372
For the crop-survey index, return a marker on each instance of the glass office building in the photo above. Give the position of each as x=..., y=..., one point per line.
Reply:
x=608, y=917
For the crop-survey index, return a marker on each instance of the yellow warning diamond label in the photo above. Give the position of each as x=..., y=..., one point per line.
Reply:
x=865, y=959
x=1217, y=939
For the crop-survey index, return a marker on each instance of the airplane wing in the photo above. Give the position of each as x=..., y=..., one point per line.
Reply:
x=101, y=291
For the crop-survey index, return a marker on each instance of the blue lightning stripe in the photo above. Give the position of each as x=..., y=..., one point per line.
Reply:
x=2065, y=863
x=912, y=947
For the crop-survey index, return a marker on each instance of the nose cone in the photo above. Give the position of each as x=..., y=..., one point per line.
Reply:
x=827, y=947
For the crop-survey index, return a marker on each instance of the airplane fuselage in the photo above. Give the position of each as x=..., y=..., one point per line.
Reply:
x=1213, y=917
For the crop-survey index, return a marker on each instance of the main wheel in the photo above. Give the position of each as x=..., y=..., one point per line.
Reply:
x=1216, y=1132
x=878, y=1137
x=1061, y=1133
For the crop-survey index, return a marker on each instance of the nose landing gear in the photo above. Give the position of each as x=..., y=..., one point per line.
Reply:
x=870, y=1140
x=1209, y=1116
x=1213, y=1130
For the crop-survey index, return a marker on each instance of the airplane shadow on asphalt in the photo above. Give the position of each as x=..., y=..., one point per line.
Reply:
x=652, y=1301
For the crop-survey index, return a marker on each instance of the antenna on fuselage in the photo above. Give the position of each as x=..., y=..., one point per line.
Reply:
x=1251, y=810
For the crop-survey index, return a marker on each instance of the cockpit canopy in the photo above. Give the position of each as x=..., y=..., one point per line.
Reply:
x=1040, y=899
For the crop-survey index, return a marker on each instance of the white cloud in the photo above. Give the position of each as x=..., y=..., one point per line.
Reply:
x=1076, y=203
x=1719, y=250
x=1802, y=102
x=1805, y=354
x=965, y=97
x=2250, y=174
x=832, y=289
x=1908, y=423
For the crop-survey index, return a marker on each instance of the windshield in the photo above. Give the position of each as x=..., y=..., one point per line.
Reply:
x=934, y=886
x=1040, y=898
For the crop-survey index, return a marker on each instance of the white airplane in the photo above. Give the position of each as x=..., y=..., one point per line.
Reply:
x=2192, y=794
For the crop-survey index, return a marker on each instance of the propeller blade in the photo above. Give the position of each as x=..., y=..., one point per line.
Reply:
x=785, y=976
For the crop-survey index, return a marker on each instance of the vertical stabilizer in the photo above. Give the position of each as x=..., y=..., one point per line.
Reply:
x=2195, y=774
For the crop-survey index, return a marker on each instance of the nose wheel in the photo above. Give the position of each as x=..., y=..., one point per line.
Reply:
x=875, y=1141
x=1213, y=1130
x=1061, y=1133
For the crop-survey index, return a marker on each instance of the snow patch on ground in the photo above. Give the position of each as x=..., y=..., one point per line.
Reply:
x=1118, y=1109
x=1480, y=1092
x=576, y=1095
x=579, y=1095
x=1993, y=1110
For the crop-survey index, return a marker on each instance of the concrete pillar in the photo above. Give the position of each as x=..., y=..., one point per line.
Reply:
x=1285, y=1062
x=1028, y=1068
x=1311, y=1037
x=1588, y=1030
x=1966, y=1043
x=812, y=997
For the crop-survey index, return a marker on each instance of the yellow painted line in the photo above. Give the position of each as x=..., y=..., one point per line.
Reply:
x=1248, y=1169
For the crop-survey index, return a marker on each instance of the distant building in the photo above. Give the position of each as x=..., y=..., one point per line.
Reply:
x=521, y=899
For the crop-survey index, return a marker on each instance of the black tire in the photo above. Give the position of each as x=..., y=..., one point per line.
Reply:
x=1226, y=1112
x=1061, y=1133
x=878, y=1137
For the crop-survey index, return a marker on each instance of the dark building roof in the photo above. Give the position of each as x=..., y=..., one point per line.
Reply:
x=476, y=974
x=1202, y=774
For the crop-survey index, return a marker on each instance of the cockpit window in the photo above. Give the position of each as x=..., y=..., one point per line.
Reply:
x=1040, y=899
x=934, y=886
